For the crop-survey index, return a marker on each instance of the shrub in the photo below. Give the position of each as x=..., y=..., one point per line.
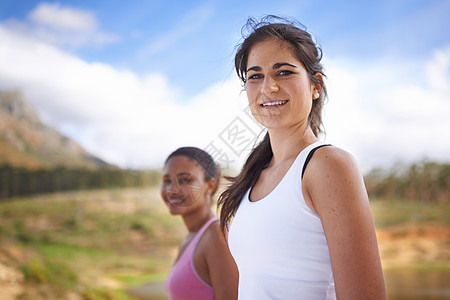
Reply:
x=51, y=272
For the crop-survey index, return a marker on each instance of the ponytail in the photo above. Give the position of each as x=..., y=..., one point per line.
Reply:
x=230, y=199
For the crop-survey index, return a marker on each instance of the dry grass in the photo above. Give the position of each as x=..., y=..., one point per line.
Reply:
x=112, y=239
x=97, y=244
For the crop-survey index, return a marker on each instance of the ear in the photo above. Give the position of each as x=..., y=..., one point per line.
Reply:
x=211, y=185
x=317, y=87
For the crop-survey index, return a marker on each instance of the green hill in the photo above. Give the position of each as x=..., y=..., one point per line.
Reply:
x=26, y=142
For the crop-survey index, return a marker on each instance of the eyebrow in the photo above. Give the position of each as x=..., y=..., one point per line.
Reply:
x=179, y=174
x=275, y=66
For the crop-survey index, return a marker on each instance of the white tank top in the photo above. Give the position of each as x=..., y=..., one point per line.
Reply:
x=279, y=244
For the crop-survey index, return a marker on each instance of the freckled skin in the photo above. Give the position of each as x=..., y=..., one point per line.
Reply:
x=270, y=80
x=348, y=225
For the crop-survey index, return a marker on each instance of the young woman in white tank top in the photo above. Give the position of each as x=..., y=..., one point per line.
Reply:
x=298, y=231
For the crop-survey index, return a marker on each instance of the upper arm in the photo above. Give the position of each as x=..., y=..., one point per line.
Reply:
x=336, y=189
x=222, y=268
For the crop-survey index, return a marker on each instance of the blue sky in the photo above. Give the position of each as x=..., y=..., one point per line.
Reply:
x=132, y=81
x=179, y=38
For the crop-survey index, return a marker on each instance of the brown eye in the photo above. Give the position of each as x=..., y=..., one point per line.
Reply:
x=285, y=73
x=255, y=76
x=183, y=180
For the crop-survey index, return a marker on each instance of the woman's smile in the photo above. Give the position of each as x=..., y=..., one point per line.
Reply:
x=278, y=86
x=175, y=202
x=274, y=104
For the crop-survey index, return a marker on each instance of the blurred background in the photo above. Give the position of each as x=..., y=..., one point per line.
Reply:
x=95, y=94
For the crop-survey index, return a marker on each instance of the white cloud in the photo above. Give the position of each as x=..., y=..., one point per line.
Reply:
x=62, y=26
x=136, y=121
x=126, y=119
x=382, y=118
x=438, y=71
x=58, y=17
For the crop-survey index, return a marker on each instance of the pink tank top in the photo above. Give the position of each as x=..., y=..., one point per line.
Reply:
x=183, y=281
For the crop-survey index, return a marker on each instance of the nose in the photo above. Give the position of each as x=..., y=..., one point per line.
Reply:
x=269, y=85
x=172, y=186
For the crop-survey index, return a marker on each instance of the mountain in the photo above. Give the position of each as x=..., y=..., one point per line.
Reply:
x=26, y=142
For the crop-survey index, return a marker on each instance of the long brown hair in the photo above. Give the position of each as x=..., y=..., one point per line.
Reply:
x=305, y=49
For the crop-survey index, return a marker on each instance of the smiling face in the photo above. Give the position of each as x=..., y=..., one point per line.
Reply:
x=278, y=87
x=183, y=185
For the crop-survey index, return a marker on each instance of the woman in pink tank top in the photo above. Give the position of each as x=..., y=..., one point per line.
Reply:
x=204, y=268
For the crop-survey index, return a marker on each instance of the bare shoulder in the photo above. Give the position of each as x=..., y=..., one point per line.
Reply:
x=213, y=229
x=213, y=236
x=221, y=268
x=211, y=244
x=332, y=176
x=335, y=190
x=333, y=155
x=329, y=161
x=215, y=251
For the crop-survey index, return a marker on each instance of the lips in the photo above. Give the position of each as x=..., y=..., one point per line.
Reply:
x=274, y=104
x=174, y=198
x=175, y=201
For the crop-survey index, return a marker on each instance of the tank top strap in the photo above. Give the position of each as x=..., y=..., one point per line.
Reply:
x=199, y=234
x=310, y=154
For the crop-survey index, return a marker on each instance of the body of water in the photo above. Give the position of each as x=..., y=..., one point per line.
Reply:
x=415, y=285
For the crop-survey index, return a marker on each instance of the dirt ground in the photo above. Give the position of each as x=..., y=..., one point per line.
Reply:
x=11, y=279
x=409, y=246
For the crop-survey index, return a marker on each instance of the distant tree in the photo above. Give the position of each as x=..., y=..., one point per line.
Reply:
x=20, y=181
x=421, y=181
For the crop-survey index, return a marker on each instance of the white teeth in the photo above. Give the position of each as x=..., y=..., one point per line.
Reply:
x=175, y=201
x=274, y=103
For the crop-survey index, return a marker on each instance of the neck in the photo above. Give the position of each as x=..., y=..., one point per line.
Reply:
x=287, y=144
x=197, y=219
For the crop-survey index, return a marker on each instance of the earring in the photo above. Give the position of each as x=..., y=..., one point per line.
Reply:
x=316, y=95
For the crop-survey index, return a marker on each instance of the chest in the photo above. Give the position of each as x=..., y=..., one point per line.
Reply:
x=276, y=228
x=269, y=179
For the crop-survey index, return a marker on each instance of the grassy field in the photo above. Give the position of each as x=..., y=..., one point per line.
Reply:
x=87, y=244
x=96, y=245
x=397, y=212
x=413, y=235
